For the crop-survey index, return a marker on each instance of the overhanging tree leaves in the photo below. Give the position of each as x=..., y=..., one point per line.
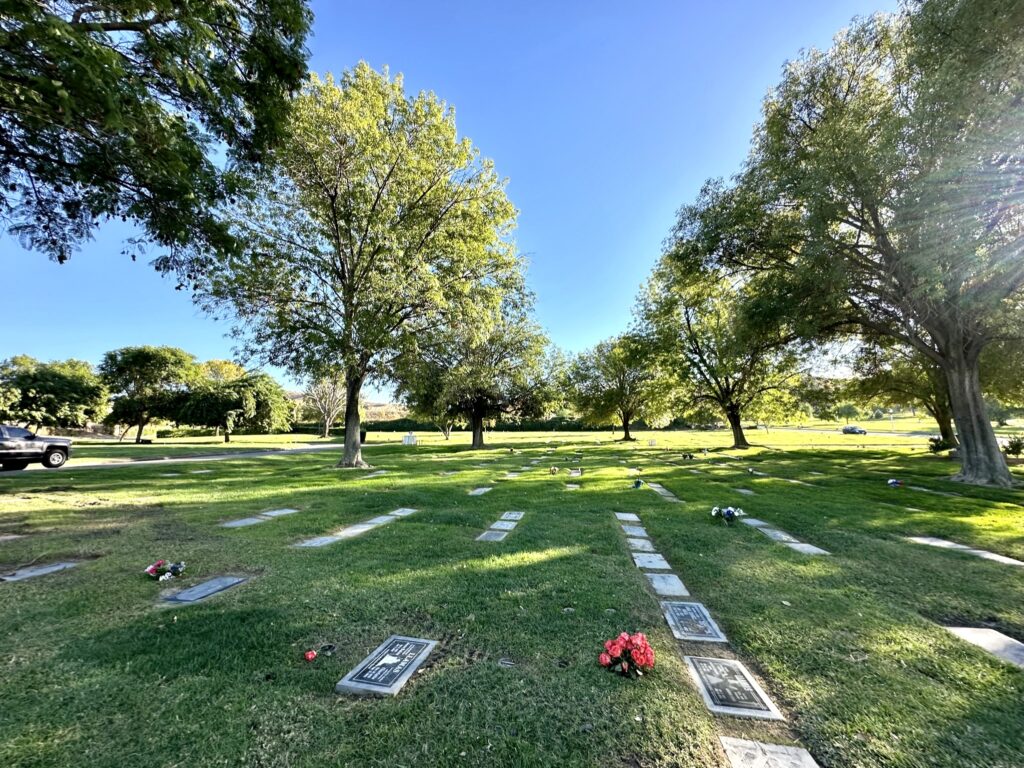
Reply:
x=376, y=223
x=899, y=154
x=115, y=109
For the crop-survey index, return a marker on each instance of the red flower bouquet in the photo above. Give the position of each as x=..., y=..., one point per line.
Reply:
x=629, y=655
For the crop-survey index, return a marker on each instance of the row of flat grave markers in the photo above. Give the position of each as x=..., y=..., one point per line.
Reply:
x=725, y=685
x=664, y=492
x=776, y=534
x=500, y=528
x=358, y=529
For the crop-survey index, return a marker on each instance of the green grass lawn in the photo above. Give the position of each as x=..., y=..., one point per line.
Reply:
x=97, y=673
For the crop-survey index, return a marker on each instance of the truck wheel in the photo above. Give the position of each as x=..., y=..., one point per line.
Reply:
x=54, y=459
x=13, y=465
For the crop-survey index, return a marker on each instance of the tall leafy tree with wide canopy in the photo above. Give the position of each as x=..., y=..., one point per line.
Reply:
x=376, y=222
x=723, y=354
x=254, y=403
x=125, y=108
x=618, y=381
x=147, y=383
x=486, y=366
x=894, y=160
x=62, y=393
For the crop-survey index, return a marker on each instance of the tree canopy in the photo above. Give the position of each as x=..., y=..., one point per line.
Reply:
x=147, y=383
x=120, y=110
x=617, y=381
x=376, y=222
x=883, y=193
x=489, y=367
x=252, y=403
x=64, y=393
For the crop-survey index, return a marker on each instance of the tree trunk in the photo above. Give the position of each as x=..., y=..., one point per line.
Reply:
x=353, y=456
x=626, y=437
x=138, y=435
x=327, y=429
x=478, y=430
x=446, y=430
x=982, y=463
x=732, y=413
x=227, y=436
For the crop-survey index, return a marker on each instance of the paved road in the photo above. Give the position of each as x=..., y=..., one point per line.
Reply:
x=75, y=464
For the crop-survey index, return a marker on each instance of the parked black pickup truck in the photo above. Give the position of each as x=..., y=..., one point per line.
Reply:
x=19, y=448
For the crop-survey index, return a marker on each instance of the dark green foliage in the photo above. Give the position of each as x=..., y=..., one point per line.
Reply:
x=254, y=403
x=147, y=383
x=57, y=394
x=116, y=110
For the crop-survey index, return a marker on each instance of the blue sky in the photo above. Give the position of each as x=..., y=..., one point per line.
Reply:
x=604, y=116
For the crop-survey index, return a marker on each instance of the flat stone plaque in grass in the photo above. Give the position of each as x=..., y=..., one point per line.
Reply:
x=743, y=753
x=380, y=520
x=667, y=585
x=753, y=522
x=403, y=512
x=776, y=535
x=806, y=549
x=651, y=561
x=691, y=621
x=931, y=541
x=245, y=521
x=511, y=475
x=504, y=525
x=479, y=491
x=640, y=545
x=744, y=491
x=388, y=667
x=626, y=517
x=11, y=536
x=575, y=473
x=492, y=536
x=378, y=473
x=200, y=471
x=36, y=570
x=319, y=541
x=279, y=512
x=572, y=487
x=996, y=643
x=205, y=590
x=635, y=530
x=729, y=689
x=513, y=516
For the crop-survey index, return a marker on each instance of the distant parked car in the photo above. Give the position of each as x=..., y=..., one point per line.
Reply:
x=19, y=448
x=852, y=430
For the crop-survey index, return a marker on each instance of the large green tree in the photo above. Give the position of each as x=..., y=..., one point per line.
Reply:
x=376, y=223
x=253, y=403
x=488, y=366
x=125, y=108
x=618, y=381
x=891, y=165
x=699, y=320
x=64, y=393
x=147, y=383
